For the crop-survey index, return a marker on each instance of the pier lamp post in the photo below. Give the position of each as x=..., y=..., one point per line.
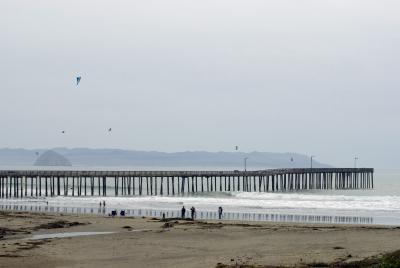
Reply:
x=355, y=161
x=245, y=163
x=312, y=157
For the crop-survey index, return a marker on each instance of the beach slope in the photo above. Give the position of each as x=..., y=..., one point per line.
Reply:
x=145, y=242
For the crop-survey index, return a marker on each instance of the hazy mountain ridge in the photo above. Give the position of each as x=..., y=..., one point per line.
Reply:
x=118, y=157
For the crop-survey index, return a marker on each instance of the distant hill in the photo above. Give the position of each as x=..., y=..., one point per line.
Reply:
x=51, y=158
x=116, y=157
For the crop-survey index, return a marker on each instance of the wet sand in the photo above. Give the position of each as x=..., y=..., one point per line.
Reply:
x=145, y=242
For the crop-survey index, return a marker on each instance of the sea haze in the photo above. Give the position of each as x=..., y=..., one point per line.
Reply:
x=125, y=158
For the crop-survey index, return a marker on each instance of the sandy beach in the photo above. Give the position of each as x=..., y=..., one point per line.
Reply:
x=146, y=242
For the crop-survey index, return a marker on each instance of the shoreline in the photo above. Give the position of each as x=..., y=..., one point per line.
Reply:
x=202, y=215
x=150, y=242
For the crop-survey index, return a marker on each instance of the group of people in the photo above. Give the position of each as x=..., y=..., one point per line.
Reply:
x=193, y=212
x=183, y=212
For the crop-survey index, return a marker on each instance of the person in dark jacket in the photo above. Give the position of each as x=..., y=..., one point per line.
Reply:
x=193, y=212
x=220, y=210
x=183, y=212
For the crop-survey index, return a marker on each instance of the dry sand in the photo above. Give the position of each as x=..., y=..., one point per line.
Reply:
x=147, y=242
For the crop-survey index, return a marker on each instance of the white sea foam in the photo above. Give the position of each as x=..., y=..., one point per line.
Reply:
x=239, y=201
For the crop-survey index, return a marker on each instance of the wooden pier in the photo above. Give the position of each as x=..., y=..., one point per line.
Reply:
x=24, y=183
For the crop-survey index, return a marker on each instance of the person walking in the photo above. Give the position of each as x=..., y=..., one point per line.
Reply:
x=220, y=210
x=193, y=212
x=183, y=212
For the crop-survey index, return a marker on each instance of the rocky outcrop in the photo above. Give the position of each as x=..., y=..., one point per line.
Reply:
x=51, y=158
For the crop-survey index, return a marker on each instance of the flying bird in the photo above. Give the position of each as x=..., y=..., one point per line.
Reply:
x=78, y=79
x=109, y=130
x=63, y=132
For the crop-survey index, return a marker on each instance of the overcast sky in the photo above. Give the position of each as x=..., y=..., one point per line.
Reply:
x=315, y=77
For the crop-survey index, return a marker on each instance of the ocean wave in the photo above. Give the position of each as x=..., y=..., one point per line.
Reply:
x=239, y=201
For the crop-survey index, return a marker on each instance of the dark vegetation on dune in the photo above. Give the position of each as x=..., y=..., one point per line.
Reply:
x=388, y=260
x=58, y=224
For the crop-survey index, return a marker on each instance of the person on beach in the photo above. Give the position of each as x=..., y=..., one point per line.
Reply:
x=100, y=203
x=183, y=212
x=193, y=212
x=220, y=210
x=104, y=203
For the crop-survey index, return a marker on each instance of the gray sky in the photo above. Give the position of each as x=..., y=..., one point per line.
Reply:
x=315, y=77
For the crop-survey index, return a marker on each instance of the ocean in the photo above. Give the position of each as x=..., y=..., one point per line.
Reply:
x=378, y=206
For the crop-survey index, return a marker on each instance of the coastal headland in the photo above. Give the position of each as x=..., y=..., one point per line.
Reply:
x=151, y=242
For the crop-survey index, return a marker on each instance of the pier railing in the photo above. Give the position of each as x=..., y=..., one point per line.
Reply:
x=19, y=183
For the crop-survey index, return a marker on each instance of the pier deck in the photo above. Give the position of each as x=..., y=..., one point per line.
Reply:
x=20, y=183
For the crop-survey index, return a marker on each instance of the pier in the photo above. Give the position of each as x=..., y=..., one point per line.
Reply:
x=24, y=183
